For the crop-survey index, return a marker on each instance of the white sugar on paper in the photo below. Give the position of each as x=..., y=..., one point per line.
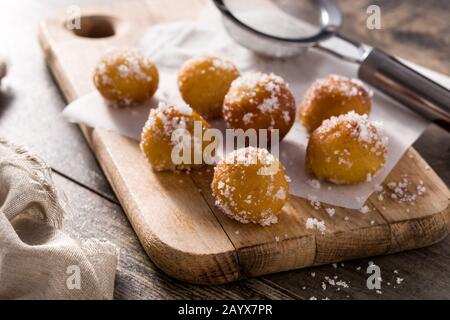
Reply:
x=170, y=45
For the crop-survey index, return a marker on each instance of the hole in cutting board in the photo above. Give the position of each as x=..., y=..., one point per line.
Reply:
x=92, y=26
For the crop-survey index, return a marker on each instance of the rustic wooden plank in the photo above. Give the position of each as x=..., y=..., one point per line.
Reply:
x=138, y=277
x=433, y=146
x=30, y=101
x=423, y=221
x=423, y=274
x=415, y=30
x=165, y=212
x=349, y=234
x=433, y=200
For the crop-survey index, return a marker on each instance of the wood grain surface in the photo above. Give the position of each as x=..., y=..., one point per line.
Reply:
x=29, y=88
x=166, y=209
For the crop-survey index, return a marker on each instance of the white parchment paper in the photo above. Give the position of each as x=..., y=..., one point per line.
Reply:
x=169, y=45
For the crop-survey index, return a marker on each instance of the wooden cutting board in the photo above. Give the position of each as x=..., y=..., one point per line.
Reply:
x=174, y=215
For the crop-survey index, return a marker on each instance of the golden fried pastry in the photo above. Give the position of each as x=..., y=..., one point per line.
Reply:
x=168, y=133
x=125, y=77
x=333, y=96
x=204, y=82
x=250, y=185
x=260, y=101
x=346, y=149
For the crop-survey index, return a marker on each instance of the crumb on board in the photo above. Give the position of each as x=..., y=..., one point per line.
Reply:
x=330, y=211
x=364, y=209
x=313, y=223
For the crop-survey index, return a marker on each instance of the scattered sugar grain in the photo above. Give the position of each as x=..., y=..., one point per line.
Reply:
x=364, y=209
x=314, y=183
x=313, y=223
x=330, y=211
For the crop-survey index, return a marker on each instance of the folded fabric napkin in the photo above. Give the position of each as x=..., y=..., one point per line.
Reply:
x=38, y=260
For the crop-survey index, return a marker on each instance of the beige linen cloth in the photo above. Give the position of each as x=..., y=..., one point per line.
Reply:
x=38, y=260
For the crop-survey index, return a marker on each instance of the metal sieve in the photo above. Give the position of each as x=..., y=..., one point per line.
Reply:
x=285, y=28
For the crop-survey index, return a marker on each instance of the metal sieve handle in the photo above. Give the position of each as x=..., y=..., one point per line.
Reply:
x=405, y=85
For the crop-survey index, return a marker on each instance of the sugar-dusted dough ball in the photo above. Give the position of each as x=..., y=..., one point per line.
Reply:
x=346, y=149
x=126, y=77
x=260, y=101
x=160, y=136
x=204, y=82
x=333, y=96
x=250, y=185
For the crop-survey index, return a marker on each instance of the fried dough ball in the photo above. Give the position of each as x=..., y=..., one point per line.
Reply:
x=204, y=82
x=346, y=149
x=161, y=139
x=260, y=101
x=250, y=185
x=126, y=77
x=333, y=96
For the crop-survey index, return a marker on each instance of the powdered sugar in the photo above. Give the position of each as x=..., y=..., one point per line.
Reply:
x=132, y=64
x=313, y=223
x=361, y=128
x=245, y=86
x=281, y=194
x=223, y=64
x=404, y=191
x=330, y=211
x=351, y=86
x=364, y=209
x=314, y=183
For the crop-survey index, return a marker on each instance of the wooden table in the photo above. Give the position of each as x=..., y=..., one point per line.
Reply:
x=30, y=107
